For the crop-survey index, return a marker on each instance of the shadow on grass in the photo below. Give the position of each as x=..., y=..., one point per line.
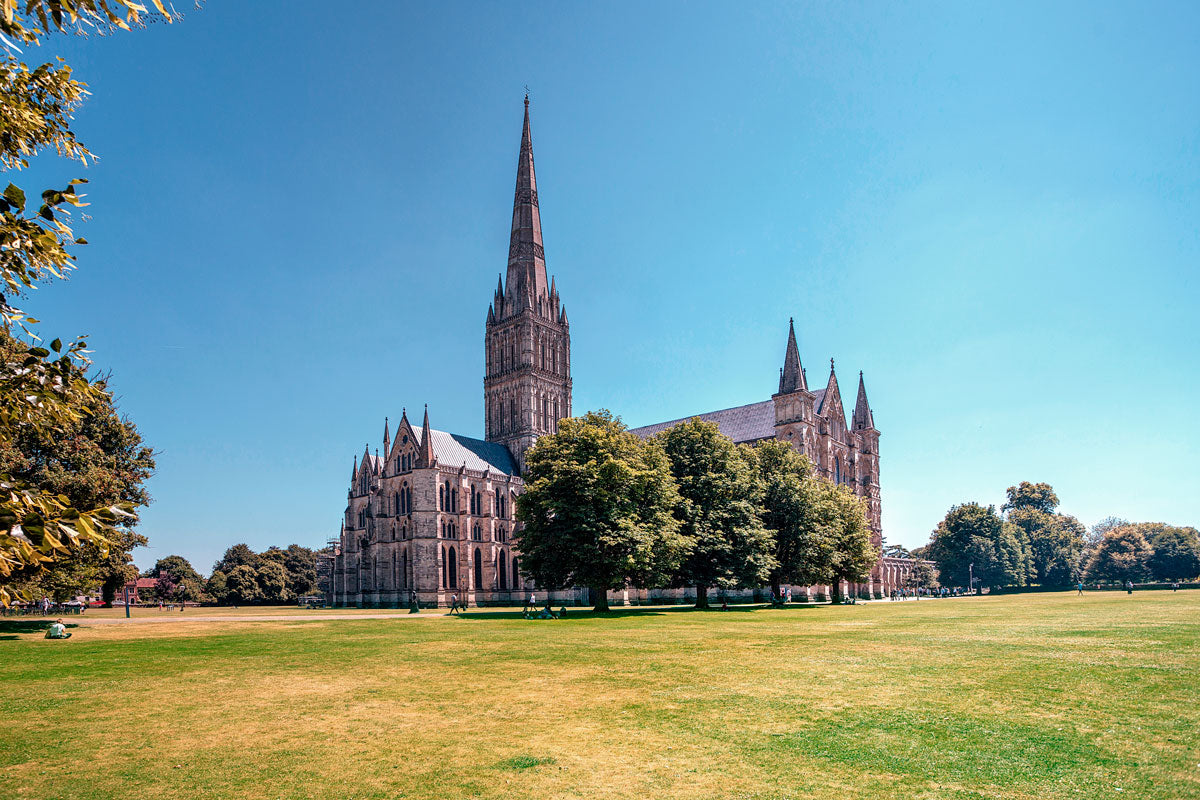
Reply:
x=38, y=625
x=617, y=612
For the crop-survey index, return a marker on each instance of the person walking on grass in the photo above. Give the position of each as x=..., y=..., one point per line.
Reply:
x=453, y=604
x=1129, y=587
x=530, y=604
x=1079, y=587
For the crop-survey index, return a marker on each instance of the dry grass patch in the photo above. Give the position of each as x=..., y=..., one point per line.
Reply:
x=1043, y=696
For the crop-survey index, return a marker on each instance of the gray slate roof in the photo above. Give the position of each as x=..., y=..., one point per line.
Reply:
x=742, y=424
x=819, y=403
x=452, y=450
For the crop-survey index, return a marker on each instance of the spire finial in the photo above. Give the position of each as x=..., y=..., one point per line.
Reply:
x=831, y=365
x=791, y=378
x=863, y=418
x=526, y=280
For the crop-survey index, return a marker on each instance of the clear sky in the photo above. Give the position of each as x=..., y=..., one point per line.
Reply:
x=299, y=218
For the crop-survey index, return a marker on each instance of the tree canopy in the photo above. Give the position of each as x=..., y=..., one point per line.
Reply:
x=1123, y=555
x=1034, y=496
x=44, y=391
x=843, y=517
x=788, y=508
x=972, y=534
x=597, y=510
x=276, y=575
x=1176, y=551
x=719, y=496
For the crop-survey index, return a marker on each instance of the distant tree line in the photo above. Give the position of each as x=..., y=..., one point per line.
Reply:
x=1029, y=542
x=604, y=509
x=240, y=577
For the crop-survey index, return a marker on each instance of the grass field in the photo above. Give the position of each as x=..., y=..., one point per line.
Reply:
x=1029, y=696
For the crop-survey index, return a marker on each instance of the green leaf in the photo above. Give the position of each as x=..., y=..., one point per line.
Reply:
x=56, y=345
x=14, y=195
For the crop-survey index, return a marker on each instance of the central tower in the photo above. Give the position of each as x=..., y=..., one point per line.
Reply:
x=527, y=384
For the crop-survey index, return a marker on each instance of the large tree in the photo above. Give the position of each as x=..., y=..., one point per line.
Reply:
x=843, y=516
x=1176, y=551
x=177, y=579
x=94, y=461
x=789, y=508
x=45, y=390
x=1053, y=542
x=1035, y=496
x=242, y=585
x=300, y=564
x=728, y=546
x=973, y=540
x=597, y=509
x=1123, y=555
x=237, y=555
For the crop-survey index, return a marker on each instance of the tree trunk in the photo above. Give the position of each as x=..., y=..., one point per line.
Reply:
x=599, y=598
x=776, y=586
x=835, y=591
x=701, y=597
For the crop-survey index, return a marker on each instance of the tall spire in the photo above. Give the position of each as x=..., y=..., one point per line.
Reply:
x=387, y=439
x=425, y=454
x=792, y=379
x=863, y=419
x=526, y=258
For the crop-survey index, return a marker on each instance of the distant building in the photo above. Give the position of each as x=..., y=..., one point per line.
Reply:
x=133, y=588
x=432, y=515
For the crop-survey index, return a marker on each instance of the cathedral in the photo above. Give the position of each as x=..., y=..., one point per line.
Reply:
x=431, y=515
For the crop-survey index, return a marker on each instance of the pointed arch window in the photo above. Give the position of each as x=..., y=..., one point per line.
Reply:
x=501, y=572
x=452, y=568
x=516, y=575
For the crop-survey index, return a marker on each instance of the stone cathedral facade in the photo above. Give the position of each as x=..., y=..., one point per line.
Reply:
x=431, y=515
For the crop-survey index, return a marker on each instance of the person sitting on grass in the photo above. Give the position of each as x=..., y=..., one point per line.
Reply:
x=58, y=630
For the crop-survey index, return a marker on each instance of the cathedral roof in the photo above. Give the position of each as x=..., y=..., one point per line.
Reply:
x=819, y=402
x=453, y=450
x=741, y=423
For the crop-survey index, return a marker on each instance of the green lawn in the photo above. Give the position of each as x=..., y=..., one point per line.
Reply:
x=1032, y=696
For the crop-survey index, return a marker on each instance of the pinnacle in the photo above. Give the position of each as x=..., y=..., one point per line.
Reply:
x=792, y=377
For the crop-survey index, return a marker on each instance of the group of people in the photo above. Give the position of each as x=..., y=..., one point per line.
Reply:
x=45, y=607
x=530, y=611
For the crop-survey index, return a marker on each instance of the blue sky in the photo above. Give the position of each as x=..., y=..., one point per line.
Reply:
x=298, y=221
